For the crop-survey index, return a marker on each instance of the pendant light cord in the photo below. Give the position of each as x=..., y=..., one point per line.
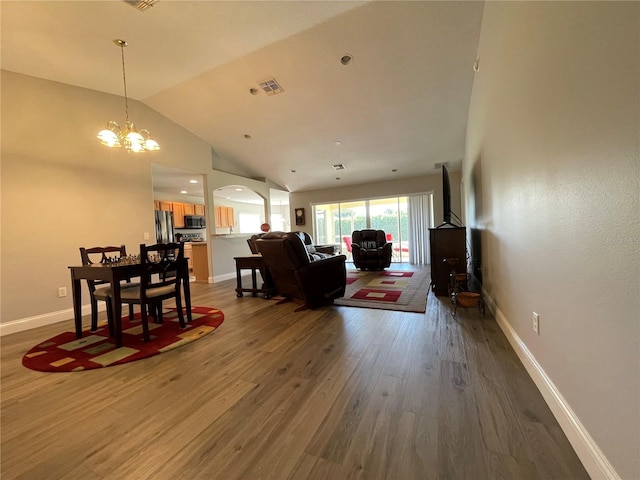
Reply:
x=124, y=79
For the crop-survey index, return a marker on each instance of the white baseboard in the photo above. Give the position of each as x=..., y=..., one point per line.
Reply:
x=588, y=452
x=45, y=319
x=228, y=276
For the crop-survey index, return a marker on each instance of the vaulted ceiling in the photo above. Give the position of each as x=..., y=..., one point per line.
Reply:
x=396, y=109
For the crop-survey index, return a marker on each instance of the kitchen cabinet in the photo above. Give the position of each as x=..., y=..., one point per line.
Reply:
x=200, y=263
x=178, y=214
x=181, y=209
x=224, y=217
x=188, y=254
x=189, y=209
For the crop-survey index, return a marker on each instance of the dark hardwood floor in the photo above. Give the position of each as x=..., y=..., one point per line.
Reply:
x=333, y=393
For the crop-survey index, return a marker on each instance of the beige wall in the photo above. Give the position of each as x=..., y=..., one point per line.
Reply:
x=551, y=174
x=61, y=189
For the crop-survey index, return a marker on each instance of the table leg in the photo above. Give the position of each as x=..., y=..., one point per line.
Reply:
x=238, y=280
x=254, y=281
x=76, y=290
x=117, y=310
x=187, y=294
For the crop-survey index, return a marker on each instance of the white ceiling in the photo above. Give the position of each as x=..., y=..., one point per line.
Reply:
x=401, y=104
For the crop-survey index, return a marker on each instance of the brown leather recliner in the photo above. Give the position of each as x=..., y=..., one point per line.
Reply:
x=370, y=249
x=297, y=277
x=316, y=251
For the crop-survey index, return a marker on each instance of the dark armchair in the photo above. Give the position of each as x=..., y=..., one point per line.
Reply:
x=370, y=249
x=297, y=277
x=316, y=251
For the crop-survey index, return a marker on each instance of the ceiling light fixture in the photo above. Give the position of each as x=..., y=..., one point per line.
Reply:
x=193, y=181
x=132, y=139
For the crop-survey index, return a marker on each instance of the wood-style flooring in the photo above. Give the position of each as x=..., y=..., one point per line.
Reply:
x=333, y=393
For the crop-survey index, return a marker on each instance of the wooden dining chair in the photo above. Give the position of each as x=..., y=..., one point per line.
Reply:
x=101, y=290
x=161, y=272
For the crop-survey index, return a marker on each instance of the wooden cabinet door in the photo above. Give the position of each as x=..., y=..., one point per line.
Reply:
x=224, y=217
x=178, y=214
x=156, y=205
x=199, y=210
x=165, y=206
x=189, y=209
x=230, y=220
x=188, y=253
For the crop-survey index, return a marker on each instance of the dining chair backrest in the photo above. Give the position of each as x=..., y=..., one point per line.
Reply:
x=161, y=269
x=93, y=255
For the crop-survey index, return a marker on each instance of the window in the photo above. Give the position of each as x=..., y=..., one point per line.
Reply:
x=334, y=223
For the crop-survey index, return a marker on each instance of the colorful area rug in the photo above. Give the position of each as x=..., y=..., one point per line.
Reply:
x=403, y=290
x=66, y=353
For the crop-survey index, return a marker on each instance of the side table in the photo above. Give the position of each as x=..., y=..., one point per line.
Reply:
x=254, y=263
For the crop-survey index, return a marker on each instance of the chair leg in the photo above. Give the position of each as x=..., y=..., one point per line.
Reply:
x=180, y=314
x=159, y=308
x=110, y=318
x=94, y=314
x=145, y=322
x=130, y=311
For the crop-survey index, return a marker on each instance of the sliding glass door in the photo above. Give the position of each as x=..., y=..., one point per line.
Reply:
x=335, y=222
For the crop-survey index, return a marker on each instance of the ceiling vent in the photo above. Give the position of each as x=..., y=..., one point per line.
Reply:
x=141, y=5
x=271, y=87
x=438, y=166
x=338, y=166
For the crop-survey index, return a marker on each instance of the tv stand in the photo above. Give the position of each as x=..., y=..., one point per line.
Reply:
x=446, y=243
x=447, y=225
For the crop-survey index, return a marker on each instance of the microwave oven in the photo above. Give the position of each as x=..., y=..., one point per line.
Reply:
x=194, y=221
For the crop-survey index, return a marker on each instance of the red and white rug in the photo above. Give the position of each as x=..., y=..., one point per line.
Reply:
x=402, y=290
x=66, y=353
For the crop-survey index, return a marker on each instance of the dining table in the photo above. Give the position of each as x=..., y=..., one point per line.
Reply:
x=115, y=273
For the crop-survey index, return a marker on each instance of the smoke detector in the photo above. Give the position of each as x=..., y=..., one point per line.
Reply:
x=338, y=166
x=271, y=87
x=141, y=5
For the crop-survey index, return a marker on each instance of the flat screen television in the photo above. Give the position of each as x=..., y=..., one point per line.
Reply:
x=446, y=197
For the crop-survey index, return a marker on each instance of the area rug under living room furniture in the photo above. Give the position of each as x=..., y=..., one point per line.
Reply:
x=402, y=290
x=66, y=353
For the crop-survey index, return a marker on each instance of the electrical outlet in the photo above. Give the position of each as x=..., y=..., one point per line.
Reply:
x=536, y=323
x=62, y=292
x=145, y=236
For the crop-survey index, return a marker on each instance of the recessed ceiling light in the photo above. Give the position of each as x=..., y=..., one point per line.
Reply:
x=293, y=171
x=193, y=181
x=337, y=178
x=346, y=59
x=338, y=142
x=247, y=136
x=254, y=91
x=238, y=189
x=183, y=191
x=394, y=170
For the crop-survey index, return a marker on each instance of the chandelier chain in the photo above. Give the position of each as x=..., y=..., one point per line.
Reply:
x=124, y=79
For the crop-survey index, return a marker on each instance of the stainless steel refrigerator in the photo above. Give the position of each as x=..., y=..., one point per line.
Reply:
x=164, y=227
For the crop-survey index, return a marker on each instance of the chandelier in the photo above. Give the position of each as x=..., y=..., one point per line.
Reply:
x=129, y=137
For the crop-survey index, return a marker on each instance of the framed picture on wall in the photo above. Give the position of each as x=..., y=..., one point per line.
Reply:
x=299, y=216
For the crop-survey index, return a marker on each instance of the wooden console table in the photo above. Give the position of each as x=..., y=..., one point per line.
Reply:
x=254, y=263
